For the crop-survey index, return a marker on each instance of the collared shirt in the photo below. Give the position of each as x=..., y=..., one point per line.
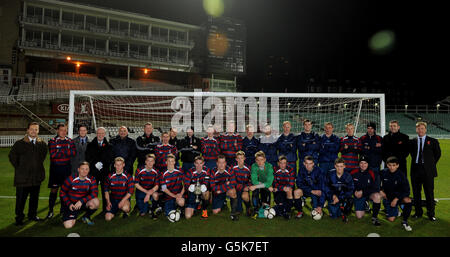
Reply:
x=418, y=146
x=83, y=140
x=32, y=140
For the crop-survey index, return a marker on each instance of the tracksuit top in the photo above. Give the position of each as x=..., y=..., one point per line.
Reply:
x=328, y=148
x=342, y=187
x=250, y=147
x=61, y=150
x=367, y=181
x=262, y=176
x=173, y=181
x=229, y=144
x=119, y=185
x=243, y=177
x=283, y=178
x=219, y=180
x=351, y=154
x=374, y=153
x=308, y=144
x=210, y=148
x=394, y=185
x=269, y=147
x=147, y=179
x=74, y=189
x=308, y=181
x=287, y=146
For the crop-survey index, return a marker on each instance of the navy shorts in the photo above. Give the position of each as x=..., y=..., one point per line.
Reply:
x=191, y=197
x=170, y=205
x=218, y=201
x=68, y=214
x=360, y=204
x=115, y=205
x=58, y=173
x=390, y=211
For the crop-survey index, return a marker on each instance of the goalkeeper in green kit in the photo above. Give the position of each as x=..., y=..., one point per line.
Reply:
x=262, y=178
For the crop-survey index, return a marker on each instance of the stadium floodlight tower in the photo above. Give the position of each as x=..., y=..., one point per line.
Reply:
x=182, y=110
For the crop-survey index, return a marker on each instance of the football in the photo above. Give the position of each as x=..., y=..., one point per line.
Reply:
x=172, y=216
x=316, y=215
x=270, y=213
x=177, y=215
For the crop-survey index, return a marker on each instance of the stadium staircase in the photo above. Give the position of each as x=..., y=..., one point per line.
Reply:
x=33, y=116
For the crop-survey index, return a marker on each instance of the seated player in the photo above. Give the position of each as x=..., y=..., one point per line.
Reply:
x=243, y=175
x=310, y=182
x=171, y=182
x=119, y=188
x=201, y=174
x=262, y=179
x=367, y=187
x=79, y=194
x=223, y=184
x=395, y=190
x=339, y=189
x=283, y=187
x=147, y=185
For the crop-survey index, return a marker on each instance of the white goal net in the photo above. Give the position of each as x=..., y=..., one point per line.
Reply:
x=112, y=109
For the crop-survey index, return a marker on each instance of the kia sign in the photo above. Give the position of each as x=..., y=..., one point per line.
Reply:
x=60, y=109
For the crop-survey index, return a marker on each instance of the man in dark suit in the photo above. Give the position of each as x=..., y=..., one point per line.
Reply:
x=81, y=142
x=425, y=153
x=395, y=143
x=100, y=156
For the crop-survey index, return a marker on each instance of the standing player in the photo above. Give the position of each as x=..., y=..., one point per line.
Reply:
x=339, y=189
x=250, y=145
x=350, y=147
x=267, y=144
x=395, y=143
x=210, y=148
x=309, y=184
x=262, y=180
x=61, y=149
x=223, y=184
x=395, y=190
x=147, y=185
x=371, y=144
x=119, y=188
x=367, y=186
x=171, y=182
x=243, y=176
x=201, y=175
x=79, y=193
x=146, y=144
x=190, y=148
x=308, y=142
x=230, y=143
x=162, y=151
x=328, y=149
x=287, y=146
x=283, y=187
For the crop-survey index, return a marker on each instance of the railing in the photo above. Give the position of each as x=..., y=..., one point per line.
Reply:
x=8, y=141
x=418, y=108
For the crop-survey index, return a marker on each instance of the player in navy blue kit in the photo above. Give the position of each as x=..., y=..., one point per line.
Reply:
x=267, y=144
x=339, y=189
x=395, y=190
x=328, y=149
x=371, y=147
x=287, y=146
x=309, y=184
x=367, y=186
x=308, y=142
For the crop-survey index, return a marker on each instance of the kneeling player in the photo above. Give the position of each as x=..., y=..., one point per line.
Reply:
x=79, y=194
x=262, y=179
x=309, y=184
x=171, y=182
x=198, y=176
x=223, y=184
x=119, y=188
x=242, y=173
x=395, y=190
x=147, y=184
x=283, y=186
x=339, y=189
x=366, y=187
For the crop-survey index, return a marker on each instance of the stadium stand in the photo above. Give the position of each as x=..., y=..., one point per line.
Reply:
x=147, y=84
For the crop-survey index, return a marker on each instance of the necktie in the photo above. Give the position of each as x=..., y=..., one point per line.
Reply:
x=420, y=160
x=34, y=141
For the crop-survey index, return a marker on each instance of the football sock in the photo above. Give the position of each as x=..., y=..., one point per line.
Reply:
x=154, y=205
x=233, y=202
x=52, y=201
x=298, y=204
x=288, y=205
x=406, y=211
x=376, y=209
x=89, y=212
x=205, y=204
x=247, y=205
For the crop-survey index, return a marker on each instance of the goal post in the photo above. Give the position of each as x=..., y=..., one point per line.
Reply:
x=198, y=109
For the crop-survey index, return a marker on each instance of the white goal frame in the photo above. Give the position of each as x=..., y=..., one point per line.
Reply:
x=74, y=93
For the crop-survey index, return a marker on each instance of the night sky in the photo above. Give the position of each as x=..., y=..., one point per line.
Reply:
x=324, y=38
